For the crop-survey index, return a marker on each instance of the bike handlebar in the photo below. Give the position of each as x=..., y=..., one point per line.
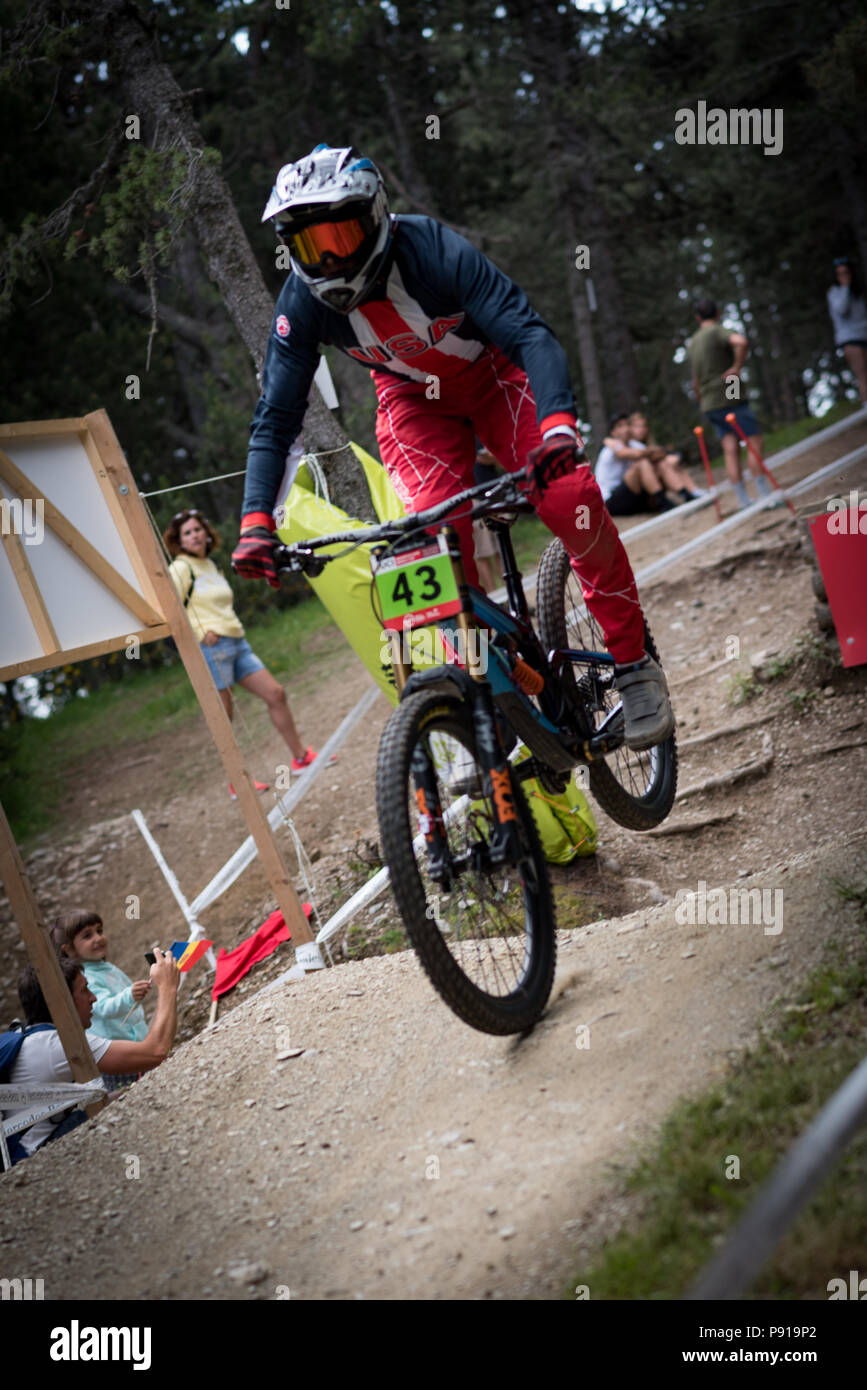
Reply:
x=502, y=493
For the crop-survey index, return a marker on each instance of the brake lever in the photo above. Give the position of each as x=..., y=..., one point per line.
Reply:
x=298, y=561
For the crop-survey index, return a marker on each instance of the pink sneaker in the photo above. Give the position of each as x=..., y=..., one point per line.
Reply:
x=260, y=787
x=299, y=764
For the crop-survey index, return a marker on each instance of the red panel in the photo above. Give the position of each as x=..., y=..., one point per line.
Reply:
x=840, y=540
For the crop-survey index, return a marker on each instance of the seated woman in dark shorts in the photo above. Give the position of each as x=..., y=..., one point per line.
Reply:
x=628, y=484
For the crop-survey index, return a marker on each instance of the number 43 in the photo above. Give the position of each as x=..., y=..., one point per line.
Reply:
x=431, y=589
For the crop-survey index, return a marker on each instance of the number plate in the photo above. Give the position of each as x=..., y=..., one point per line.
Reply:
x=417, y=587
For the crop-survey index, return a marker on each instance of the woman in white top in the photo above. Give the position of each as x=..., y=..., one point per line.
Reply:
x=208, y=599
x=848, y=311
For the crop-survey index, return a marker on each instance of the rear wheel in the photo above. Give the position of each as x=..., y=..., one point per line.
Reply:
x=635, y=788
x=484, y=933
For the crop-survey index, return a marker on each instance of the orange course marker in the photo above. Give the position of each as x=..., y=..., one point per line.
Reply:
x=699, y=434
x=731, y=419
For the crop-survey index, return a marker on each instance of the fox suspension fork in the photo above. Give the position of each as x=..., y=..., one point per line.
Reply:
x=504, y=843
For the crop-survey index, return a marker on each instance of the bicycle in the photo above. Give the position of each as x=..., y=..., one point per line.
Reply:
x=467, y=869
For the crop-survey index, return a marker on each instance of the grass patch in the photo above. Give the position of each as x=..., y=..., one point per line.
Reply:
x=146, y=705
x=529, y=537
x=573, y=909
x=689, y=1205
x=786, y=435
x=743, y=688
x=810, y=658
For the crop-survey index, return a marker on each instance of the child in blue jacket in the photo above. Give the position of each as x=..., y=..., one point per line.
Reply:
x=117, y=1013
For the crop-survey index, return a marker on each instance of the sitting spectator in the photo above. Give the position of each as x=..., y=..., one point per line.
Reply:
x=117, y=1013
x=41, y=1060
x=627, y=479
x=667, y=463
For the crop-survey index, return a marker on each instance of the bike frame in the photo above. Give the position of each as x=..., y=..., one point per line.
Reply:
x=540, y=727
x=488, y=692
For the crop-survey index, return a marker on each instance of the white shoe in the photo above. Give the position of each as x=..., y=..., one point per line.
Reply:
x=647, y=711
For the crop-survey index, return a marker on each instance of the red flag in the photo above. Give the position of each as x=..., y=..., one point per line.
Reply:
x=233, y=965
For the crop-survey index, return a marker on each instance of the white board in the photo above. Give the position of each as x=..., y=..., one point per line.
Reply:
x=82, y=610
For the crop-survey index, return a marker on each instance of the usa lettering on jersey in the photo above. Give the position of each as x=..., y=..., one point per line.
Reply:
x=406, y=345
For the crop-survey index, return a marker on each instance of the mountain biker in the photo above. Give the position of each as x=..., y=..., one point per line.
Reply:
x=454, y=350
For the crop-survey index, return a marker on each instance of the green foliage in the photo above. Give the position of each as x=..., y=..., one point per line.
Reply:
x=743, y=688
x=145, y=211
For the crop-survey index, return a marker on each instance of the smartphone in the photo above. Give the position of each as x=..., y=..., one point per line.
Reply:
x=150, y=958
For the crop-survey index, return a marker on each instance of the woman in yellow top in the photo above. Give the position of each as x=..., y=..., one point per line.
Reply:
x=208, y=599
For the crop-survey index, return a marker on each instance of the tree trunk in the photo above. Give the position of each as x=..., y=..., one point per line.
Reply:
x=852, y=180
x=594, y=399
x=613, y=338
x=151, y=92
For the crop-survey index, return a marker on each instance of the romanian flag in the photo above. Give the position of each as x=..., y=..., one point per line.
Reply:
x=186, y=953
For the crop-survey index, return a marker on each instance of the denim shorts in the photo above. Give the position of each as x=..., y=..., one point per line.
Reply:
x=742, y=413
x=231, y=660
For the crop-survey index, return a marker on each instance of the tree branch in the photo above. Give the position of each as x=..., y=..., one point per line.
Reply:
x=192, y=330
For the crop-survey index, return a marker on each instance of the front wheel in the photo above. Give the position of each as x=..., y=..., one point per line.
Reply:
x=636, y=789
x=485, y=933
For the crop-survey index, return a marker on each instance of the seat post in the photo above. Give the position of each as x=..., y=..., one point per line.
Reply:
x=511, y=574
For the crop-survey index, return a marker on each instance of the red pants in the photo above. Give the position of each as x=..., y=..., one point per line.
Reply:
x=428, y=449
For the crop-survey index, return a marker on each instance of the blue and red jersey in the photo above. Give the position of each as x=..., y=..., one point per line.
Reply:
x=437, y=305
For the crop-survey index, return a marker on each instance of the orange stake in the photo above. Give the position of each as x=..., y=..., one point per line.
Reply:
x=699, y=434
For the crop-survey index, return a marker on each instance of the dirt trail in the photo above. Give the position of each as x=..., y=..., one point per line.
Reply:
x=401, y=1154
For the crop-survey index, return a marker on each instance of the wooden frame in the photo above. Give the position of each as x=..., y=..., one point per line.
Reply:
x=161, y=614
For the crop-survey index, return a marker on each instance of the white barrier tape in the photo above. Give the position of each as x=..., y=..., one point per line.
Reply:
x=82, y=1094
x=246, y=852
x=803, y=446
x=838, y=466
x=708, y=537
x=773, y=461
x=309, y=956
x=195, y=928
x=68, y=1093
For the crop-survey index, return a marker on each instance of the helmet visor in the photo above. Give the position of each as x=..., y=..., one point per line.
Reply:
x=317, y=248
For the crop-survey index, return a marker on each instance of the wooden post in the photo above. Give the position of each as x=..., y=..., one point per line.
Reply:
x=43, y=958
x=138, y=522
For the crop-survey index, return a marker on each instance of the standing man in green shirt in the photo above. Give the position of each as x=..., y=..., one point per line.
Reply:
x=716, y=356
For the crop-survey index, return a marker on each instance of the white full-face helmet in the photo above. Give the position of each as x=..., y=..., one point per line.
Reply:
x=330, y=209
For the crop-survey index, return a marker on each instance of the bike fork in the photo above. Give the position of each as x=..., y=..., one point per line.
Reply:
x=504, y=846
x=430, y=818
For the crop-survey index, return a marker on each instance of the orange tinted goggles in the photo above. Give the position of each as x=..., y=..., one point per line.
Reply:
x=340, y=239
